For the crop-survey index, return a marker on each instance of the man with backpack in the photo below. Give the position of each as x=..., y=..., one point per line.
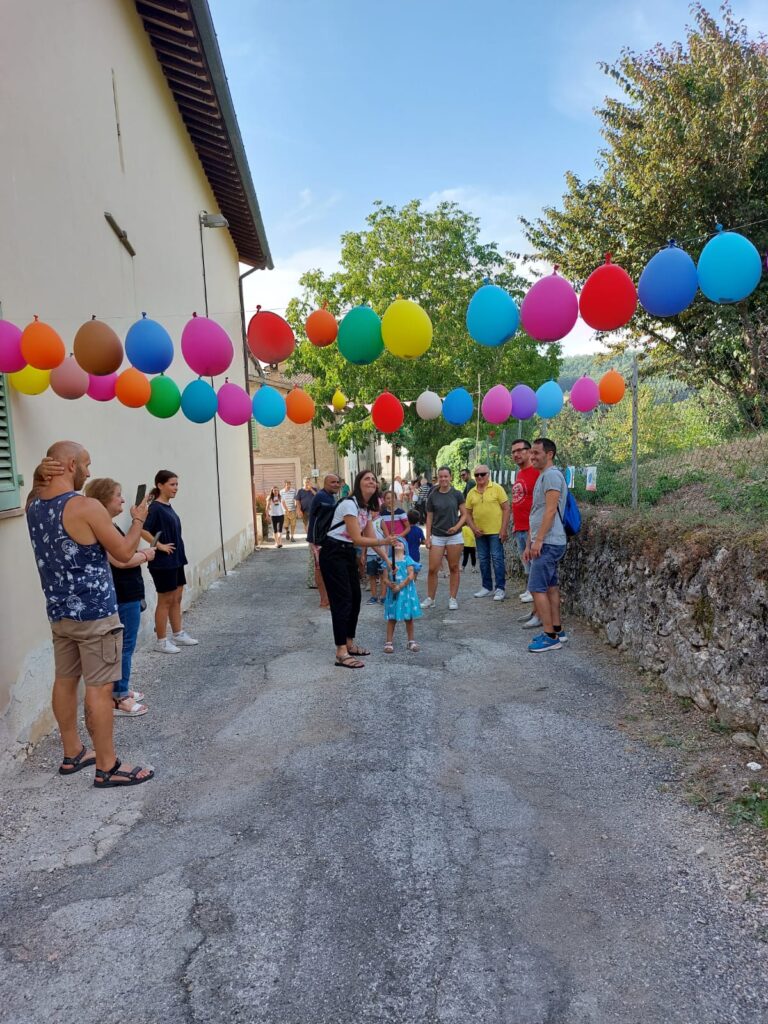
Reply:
x=318, y=521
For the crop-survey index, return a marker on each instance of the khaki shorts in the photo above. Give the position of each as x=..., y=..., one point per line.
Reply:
x=290, y=518
x=91, y=649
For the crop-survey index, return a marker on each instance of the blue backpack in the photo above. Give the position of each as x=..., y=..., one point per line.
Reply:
x=571, y=518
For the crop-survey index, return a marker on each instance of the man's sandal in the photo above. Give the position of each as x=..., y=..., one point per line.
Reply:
x=77, y=763
x=349, y=662
x=105, y=780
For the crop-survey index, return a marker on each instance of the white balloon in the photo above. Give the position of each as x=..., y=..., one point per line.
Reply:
x=429, y=405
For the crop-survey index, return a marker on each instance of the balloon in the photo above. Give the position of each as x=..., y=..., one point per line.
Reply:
x=30, y=380
x=270, y=338
x=199, y=402
x=206, y=346
x=69, y=380
x=585, y=394
x=165, y=398
x=41, y=346
x=429, y=405
x=669, y=283
x=608, y=298
x=360, y=340
x=406, y=329
x=492, y=316
x=549, y=400
x=102, y=389
x=11, y=359
x=148, y=346
x=132, y=388
x=523, y=402
x=496, y=405
x=339, y=400
x=550, y=309
x=321, y=328
x=458, y=406
x=612, y=387
x=97, y=348
x=387, y=413
x=729, y=267
x=235, y=406
x=299, y=406
x=268, y=406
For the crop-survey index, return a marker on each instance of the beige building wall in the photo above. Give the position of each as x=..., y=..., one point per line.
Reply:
x=63, y=167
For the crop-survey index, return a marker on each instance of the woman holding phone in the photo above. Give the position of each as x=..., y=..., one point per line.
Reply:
x=167, y=569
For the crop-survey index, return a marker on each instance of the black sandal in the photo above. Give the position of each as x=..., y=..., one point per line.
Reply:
x=132, y=777
x=77, y=763
x=350, y=661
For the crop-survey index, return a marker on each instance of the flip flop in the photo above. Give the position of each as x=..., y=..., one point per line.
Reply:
x=107, y=778
x=349, y=662
x=77, y=763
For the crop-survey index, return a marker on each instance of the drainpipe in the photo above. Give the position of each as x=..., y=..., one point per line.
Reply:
x=246, y=370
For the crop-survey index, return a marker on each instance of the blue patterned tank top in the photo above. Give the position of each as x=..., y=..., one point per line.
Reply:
x=76, y=578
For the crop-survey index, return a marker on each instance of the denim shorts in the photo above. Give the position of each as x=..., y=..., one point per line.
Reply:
x=373, y=567
x=543, y=573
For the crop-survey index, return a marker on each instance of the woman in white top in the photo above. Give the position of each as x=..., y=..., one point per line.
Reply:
x=276, y=512
x=351, y=526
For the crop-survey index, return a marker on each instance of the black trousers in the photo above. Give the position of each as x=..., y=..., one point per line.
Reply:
x=338, y=565
x=469, y=553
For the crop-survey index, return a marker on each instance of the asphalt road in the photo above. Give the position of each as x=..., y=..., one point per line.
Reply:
x=457, y=836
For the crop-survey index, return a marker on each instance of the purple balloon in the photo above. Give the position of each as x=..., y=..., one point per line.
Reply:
x=523, y=402
x=585, y=395
x=11, y=359
x=102, y=389
x=550, y=309
x=206, y=347
x=235, y=406
x=496, y=405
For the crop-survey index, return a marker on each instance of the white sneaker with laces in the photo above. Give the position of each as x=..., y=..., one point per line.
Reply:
x=453, y=604
x=526, y=597
x=183, y=639
x=165, y=646
x=499, y=595
x=533, y=623
x=482, y=592
x=427, y=602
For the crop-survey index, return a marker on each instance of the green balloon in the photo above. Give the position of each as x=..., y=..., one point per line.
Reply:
x=360, y=340
x=165, y=399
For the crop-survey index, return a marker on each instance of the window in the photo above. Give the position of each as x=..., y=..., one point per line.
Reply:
x=9, y=482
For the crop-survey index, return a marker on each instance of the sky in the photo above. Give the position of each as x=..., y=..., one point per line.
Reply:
x=345, y=102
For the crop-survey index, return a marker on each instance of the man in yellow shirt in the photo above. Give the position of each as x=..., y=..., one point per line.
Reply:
x=487, y=507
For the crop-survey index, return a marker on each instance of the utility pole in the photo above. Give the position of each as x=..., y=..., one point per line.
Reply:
x=634, y=431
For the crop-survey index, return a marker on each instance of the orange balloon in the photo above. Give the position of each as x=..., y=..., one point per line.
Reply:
x=612, y=387
x=299, y=406
x=321, y=328
x=97, y=348
x=41, y=346
x=132, y=388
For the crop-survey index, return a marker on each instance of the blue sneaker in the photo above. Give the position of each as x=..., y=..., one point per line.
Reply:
x=373, y=600
x=562, y=636
x=544, y=643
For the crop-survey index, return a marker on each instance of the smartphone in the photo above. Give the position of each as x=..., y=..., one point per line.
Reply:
x=141, y=490
x=156, y=538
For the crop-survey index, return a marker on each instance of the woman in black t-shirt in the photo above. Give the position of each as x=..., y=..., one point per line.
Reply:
x=445, y=517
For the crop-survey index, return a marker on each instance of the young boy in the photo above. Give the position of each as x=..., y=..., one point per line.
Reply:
x=415, y=536
x=470, y=548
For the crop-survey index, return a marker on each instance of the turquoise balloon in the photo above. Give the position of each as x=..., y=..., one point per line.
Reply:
x=549, y=400
x=729, y=267
x=268, y=406
x=458, y=406
x=492, y=316
x=199, y=402
x=360, y=340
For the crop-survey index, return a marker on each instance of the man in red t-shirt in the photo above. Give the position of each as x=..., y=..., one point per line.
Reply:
x=522, y=498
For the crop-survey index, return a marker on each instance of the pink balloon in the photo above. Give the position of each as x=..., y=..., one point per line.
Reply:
x=206, y=347
x=102, y=389
x=550, y=309
x=69, y=379
x=235, y=406
x=11, y=359
x=585, y=395
x=497, y=405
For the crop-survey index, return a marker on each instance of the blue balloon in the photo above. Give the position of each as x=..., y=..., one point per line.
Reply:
x=199, y=402
x=729, y=267
x=148, y=346
x=669, y=283
x=268, y=406
x=549, y=400
x=458, y=406
x=492, y=316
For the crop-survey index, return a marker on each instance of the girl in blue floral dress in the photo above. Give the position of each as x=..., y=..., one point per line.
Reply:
x=402, y=602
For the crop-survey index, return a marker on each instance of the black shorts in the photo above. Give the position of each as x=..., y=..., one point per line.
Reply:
x=167, y=580
x=277, y=523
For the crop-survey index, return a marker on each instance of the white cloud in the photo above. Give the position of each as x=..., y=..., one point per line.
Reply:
x=498, y=212
x=307, y=210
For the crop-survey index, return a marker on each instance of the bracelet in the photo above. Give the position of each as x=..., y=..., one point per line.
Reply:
x=136, y=519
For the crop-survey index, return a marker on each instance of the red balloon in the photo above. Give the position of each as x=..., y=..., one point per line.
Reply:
x=387, y=413
x=608, y=299
x=270, y=338
x=321, y=328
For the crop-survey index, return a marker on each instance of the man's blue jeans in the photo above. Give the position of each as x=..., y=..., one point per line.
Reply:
x=490, y=549
x=130, y=616
x=521, y=539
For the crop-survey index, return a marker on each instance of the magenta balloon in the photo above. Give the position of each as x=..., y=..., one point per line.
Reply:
x=585, y=395
x=102, y=389
x=234, y=404
x=69, y=379
x=206, y=347
x=11, y=359
x=550, y=309
x=496, y=405
x=523, y=402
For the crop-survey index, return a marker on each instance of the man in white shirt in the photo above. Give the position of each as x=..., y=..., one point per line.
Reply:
x=288, y=494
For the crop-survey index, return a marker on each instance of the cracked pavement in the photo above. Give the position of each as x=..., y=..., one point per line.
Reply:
x=459, y=835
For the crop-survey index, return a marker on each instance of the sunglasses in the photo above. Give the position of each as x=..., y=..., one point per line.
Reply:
x=480, y=474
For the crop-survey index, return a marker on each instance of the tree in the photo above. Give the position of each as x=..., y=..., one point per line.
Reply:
x=437, y=259
x=685, y=148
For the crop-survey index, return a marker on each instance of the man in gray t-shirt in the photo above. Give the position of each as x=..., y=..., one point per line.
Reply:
x=546, y=545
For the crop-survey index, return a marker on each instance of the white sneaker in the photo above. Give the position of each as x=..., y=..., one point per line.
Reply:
x=482, y=592
x=165, y=646
x=183, y=639
x=453, y=604
x=526, y=597
x=427, y=602
x=533, y=623
x=499, y=595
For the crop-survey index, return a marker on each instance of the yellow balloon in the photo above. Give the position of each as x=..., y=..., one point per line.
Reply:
x=406, y=329
x=338, y=401
x=30, y=381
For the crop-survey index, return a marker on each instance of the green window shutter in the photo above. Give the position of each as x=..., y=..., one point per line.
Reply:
x=9, y=482
x=254, y=434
